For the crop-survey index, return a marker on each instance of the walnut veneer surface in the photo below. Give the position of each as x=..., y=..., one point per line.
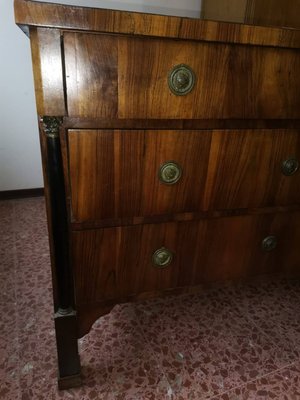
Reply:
x=170, y=150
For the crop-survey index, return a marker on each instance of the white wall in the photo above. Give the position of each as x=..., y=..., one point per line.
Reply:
x=20, y=163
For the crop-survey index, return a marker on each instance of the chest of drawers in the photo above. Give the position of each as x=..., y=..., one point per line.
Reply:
x=171, y=151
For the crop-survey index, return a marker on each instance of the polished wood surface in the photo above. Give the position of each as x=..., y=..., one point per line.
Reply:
x=92, y=87
x=120, y=259
x=32, y=13
x=115, y=174
x=48, y=73
x=186, y=124
x=179, y=217
x=274, y=13
x=128, y=78
x=231, y=81
x=108, y=122
x=224, y=10
x=245, y=169
x=279, y=13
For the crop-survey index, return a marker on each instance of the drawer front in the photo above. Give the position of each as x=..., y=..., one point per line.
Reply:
x=124, y=174
x=125, y=77
x=116, y=262
x=116, y=174
x=250, y=169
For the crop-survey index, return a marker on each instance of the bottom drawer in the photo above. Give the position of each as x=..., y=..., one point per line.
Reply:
x=111, y=263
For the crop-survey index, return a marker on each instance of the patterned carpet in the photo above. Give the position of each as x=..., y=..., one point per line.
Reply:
x=228, y=342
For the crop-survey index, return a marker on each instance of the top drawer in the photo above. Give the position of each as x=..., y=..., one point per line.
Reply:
x=128, y=77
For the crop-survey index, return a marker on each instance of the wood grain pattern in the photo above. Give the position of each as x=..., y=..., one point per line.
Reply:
x=274, y=13
x=224, y=10
x=127, y=77
x=179, y=217
x=245, y=169
x=231, y=81
x=279, y=13
x=114, y=174
x=106, y=73
x=79, y=18
x=114, y=263
x=176, y=124
x=91, y=74
x=47, y=69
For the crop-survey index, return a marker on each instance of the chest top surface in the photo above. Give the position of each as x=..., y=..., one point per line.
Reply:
x=32, y=13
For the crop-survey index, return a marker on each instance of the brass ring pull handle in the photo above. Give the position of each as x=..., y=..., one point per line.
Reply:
x=170, y=173
x=290, y=166
x=162, y=257
x=269, y=243
x=181, y=80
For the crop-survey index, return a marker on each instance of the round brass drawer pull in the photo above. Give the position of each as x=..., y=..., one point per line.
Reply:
x=269, y=243
x=181, y=79
x=290, y=166
x=170, y=173
x=162, y=257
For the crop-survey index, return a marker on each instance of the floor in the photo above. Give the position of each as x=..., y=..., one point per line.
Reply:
x=231, y=341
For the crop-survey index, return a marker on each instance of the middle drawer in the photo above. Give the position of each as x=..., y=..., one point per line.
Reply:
x=131, y=173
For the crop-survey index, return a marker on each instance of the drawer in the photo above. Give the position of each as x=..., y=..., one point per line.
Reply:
x=128, y=77
x=117, y=262
x=124, y=173
x=255, y=168
x=116, y=174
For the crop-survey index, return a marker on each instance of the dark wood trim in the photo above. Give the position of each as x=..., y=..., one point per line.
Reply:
x=65, y=17
x=65, y=314
x=50, y=127
x=67, y=350
x=249, y=12
x=21, y=193
x=97, y=123
x=180, y=217
x=273, y=13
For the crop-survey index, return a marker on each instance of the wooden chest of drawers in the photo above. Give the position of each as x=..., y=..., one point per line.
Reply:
x=170, y=151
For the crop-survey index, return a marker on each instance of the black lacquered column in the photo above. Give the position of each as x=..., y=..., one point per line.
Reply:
x=65, y=314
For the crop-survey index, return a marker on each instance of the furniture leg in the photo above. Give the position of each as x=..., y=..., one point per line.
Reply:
x=65, y=315
x=67, y=349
